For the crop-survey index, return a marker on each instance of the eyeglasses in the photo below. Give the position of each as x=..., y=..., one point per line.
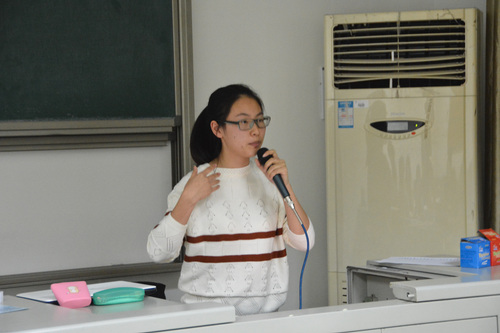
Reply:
x=247, y=124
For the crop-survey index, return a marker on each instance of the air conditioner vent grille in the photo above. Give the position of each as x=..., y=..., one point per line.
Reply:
x=399, y=54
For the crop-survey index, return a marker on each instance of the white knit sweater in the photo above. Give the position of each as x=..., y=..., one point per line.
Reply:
x=234, y=240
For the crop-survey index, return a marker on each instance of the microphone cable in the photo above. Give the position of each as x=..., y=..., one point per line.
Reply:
x=292, y=206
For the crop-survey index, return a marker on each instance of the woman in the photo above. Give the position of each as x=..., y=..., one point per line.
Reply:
x=228, y=213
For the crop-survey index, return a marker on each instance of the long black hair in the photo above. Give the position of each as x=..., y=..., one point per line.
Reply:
x=204, y=145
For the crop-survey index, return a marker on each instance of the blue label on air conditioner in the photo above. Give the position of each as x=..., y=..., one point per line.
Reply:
x=346, y=114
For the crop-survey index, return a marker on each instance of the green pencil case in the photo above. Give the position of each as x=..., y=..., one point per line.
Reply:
x=118, y=296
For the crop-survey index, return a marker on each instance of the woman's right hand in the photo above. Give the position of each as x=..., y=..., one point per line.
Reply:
x=199, y=186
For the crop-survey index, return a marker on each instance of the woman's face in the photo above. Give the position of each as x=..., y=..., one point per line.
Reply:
x=239, y=146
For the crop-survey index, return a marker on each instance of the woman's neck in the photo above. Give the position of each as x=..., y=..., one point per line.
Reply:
x=224, y=162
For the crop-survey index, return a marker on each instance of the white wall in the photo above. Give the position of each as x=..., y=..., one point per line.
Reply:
x=276, y=47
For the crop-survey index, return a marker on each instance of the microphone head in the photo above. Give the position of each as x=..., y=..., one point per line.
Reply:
x=262, y=160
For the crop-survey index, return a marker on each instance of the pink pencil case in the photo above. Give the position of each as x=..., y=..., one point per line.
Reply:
x=72, y=294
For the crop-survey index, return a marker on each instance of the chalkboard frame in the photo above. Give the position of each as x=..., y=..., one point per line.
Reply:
x=43, y=134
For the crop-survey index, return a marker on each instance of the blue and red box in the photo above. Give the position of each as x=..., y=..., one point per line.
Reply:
x=475, y=252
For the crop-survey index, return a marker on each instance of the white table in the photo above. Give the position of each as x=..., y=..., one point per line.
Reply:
x=152, y=314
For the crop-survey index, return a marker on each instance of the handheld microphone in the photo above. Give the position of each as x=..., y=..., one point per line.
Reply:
x=277, y=179
x=284, y=192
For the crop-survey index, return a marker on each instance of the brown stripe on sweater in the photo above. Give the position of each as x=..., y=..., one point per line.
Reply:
x=236, y=258
x=234, y=237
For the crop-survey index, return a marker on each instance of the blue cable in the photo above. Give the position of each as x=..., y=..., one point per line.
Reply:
x=303, y=267
x=292, y=206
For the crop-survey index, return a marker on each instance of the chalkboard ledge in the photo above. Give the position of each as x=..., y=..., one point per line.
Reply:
x=80, y=134
x=86, y=274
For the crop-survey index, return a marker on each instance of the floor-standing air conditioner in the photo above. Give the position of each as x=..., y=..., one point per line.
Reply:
x=401, y=101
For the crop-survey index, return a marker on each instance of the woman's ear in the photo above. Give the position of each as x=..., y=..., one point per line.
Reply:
x=216, y=128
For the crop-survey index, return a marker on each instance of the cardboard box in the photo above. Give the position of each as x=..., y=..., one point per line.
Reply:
x=474, y=252
x=494, y=239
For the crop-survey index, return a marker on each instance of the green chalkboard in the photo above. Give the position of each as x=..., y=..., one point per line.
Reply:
x=86, y=59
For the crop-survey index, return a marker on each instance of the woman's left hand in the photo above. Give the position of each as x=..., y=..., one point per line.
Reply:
x=274, y=166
